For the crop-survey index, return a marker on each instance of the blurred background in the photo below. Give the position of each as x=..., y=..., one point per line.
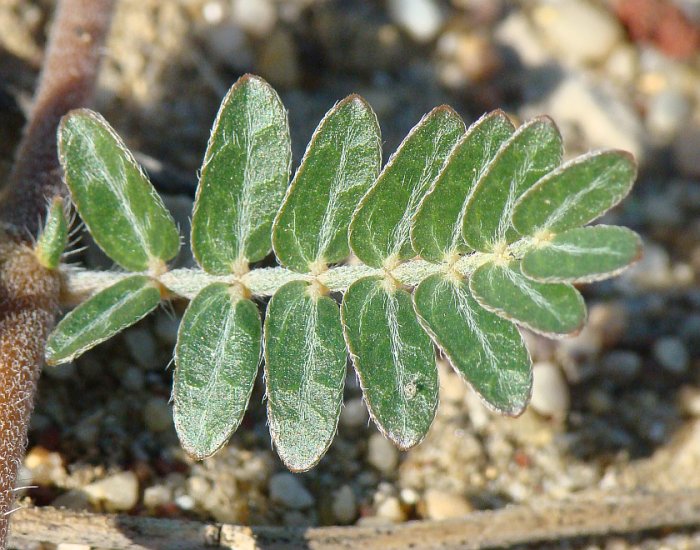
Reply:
x=615, y=409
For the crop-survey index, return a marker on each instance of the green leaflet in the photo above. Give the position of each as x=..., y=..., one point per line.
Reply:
x=305, y=365
x=584, y=254
x=486, y=350
x=243, y=180
x=217, y=356
x=53, y=239
x=380, y=227
x=550, y=309
x=341, y=162
x=436, y=231
x=394, y=359
x=105, y=314
x=123, y=212
x=577, y=193
x=534, y=150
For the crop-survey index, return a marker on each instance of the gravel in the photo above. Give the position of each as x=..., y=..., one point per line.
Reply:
x=611, y=408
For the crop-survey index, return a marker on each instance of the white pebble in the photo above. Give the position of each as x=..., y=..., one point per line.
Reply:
x=382, y=454
x=390, y=509
x=516, y=32
x=287, y=490
x=116, y=493
x=577, y=30
x=157, y=495
x=344, y=505
x=442, y=505
x=421, y=19
x=257, y=17
x=671, y=354
x=354, y=415
x=550, y=392
x=185, y=502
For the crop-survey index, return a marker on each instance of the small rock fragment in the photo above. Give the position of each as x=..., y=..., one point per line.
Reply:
x=344, y=505
x=550, y=392
x=671, y=354
x=421, y=19
x=116, y=493
x=354, y=415
x=442, y=505
x=287, y=490
x=382, y=454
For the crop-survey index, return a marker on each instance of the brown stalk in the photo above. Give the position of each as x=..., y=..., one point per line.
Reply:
x=28, y=292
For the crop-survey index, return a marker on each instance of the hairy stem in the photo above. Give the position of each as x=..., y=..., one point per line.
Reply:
x=79, y=284
x=28, y=292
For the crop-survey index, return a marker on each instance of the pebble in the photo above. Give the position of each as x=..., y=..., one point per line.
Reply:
x=185, y=502
x=344, y=505
x=116, y=493
x=671, y=354
x=550, y=391
x=157, y=415
x=75, y=499
x=604, y=117
x=421, y=19
x=442, y=505
x=667, y=112
x=44, y=467
x=157, y=495
x=287, y=490
x=621, y=365
x=166, y=327
x=142, y=347
x=517, y=32
x=228, y=45
x=568, y=25
x=382, y=454
x=132, y=379
x=390, y=509
x=354, y=414
x=622, y=64
x=689, y=400
x=257, y=17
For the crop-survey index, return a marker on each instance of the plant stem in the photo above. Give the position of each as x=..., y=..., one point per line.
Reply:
x=78, y=284
x=28, y=292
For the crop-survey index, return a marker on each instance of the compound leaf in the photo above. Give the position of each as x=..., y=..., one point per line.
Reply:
x=380, y=227
x=216, y=359
x=244, y=176
x=305, y=366
x=549, y=309
x=394, y=359
x=583, y=254
x=534, y=150
x=118, y=204
x=341, y=162
x=484, y=349
x=575, y=194
x=102, y=316
x=436, y=231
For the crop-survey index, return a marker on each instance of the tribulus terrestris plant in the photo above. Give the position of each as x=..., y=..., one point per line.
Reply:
x=485, y=225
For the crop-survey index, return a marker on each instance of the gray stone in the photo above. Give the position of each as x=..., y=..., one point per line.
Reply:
x=671, y=354
x=667, y=112
x=132, y=379
x=344, y=505
x=382, y=454
x=287, y=490
x=621, y=365
x=354, y=414
x=596, y=110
